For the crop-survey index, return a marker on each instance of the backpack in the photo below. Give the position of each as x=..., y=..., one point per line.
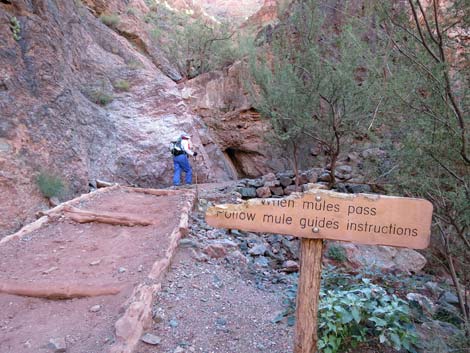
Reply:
x=175, y=147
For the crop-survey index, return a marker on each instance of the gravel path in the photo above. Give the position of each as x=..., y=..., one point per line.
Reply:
x=213, y=307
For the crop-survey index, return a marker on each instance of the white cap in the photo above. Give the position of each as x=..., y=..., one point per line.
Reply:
x=185, y=134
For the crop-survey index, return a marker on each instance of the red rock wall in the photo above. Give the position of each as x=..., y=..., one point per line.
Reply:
x=48, y=120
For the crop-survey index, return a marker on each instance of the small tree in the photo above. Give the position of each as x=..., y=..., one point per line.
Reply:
x=319, y=85
x=193, y=45
x=427, y=81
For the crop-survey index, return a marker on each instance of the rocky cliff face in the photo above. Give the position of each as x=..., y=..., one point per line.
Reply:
x=237, y=10
x=221, y=100
x=84, y=101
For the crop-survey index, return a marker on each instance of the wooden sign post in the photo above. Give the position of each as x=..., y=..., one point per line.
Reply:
x=321, y=214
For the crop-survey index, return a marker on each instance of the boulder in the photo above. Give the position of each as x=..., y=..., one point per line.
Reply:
x=258, y=250
x=291, y=188
x=344, y=169
x=277, y=190
x=285, y=181
x=426, y=305
x=313, y=186
x=272, y=183
x=383, y=257
x=303, y=178
x=290, y=266
x=263, y=192
x=449, y=298
x=215, y=250
x=255, y=183
x=312, y=176
x=286, y=174
x=434, y=336
x=247, y=192
x=269, y=177
x=358, y=188
x=325, y=176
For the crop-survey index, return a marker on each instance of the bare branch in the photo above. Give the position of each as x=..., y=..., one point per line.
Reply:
x=426, y=22
x=418, y=26
x=375, y=113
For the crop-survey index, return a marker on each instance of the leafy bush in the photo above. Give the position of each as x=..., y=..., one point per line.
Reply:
x=111, y=20
x=150, y=17
x=100, y=97
x=350, y=317
x=336, y=253
x=50, y=185
x=122, y=85
x=352, y=311
x=15, y=28
x=192, y=45
x=132, y=11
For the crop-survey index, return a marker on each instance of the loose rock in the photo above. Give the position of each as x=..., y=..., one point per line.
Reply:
x=257, y=250
x=95, y=308
x=263, y=192
x=215, y=251
x=57, y=345
x=151, y=339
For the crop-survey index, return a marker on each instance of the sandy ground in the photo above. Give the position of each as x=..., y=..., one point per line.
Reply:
x=64, y=254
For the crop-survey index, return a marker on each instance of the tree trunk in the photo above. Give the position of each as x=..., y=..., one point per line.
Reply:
x=296, y=164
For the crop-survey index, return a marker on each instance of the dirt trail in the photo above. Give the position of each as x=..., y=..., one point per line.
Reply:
x=107, y=273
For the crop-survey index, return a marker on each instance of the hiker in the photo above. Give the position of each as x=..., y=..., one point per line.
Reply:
x=180, y=150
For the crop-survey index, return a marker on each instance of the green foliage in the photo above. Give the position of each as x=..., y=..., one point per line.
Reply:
x=15, y=28
x=155, y=33
x=49, y=184
x=99, y=94
x=319, y=87
x=193, y=45
x=353, y=310
x=150, y=17
x=152, y=4
x=132, y=11
x=101, y=97
x=460, y=342
x=110, y=20
x=134, y=64
x=428, y=109
x=353, y=316
x=122, y=85
x=336, y=253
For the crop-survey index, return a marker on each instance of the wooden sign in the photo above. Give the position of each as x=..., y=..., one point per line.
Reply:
x=321, y=214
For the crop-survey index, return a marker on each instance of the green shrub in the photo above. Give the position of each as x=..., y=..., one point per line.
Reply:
x=101, y=97
x=155, y=33
x=15, y=28
x=49, y=184
x=352, y=311
x=111, y=20
x=150, y=17
x=336, y=253
x=354, y=316
x=135, y=64
x=122, y=85
x=132, y=11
